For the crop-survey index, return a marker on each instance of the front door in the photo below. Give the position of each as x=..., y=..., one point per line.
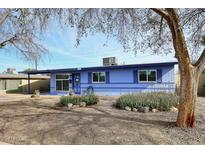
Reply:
x=76, y=83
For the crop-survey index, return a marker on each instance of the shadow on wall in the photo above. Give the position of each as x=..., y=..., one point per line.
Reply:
x=42, y=85
x=201, y=86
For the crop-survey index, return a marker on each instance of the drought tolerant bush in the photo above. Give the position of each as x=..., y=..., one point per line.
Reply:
x=75, y=100
x=153, y=100
x=90, y=99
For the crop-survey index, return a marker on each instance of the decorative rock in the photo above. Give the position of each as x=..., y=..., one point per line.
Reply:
x=154, y=110
x=77, y=105
x=173, y=109
x=74, y=106
x=134, y=110
x=82, y=104
x=127, y=108
x=35, y=94
x=70, y=105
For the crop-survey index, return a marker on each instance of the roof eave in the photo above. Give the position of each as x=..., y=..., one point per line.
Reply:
x=98, y=68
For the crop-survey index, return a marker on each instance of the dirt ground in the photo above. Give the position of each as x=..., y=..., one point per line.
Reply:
x=35, y=121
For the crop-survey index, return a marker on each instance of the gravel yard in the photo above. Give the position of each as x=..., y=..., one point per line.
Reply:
x=35, y=121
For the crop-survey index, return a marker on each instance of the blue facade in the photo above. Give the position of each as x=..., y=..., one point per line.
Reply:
x=119, y=79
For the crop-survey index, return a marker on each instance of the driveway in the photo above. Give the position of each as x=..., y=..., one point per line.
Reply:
x=35, y=121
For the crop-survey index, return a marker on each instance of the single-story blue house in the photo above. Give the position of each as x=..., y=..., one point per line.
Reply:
x=112, y=80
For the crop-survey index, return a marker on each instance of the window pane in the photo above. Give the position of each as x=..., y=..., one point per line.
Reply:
x=101, y=76
x=151, y=75
x=62, y=76
x=143, y=75
x=58, y=85
x=65, y=85
x=95, y=77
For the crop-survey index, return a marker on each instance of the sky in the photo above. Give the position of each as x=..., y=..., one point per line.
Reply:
x=62, y=52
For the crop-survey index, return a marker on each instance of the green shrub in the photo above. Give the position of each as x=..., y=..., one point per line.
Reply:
x=90, y=99
x=153, y=100
x=75, y=100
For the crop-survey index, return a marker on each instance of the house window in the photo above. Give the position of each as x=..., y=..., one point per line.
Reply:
x=147, y=76
x=62, y=82
x=98, y=77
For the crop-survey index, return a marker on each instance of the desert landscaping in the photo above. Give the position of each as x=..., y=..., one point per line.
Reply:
x=25, y=120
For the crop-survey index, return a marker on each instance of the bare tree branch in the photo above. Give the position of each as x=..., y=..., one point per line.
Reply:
x=160, y=28
x=4, y=15
x=10, y=40
x=24, y=27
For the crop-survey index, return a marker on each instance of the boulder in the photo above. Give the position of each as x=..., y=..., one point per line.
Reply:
x=35, y=94
x=74, y=106
x=82, y=104
x=173, y=109
x=135, y=110
x=154, y=110
x=70, y=105
x=127, y=108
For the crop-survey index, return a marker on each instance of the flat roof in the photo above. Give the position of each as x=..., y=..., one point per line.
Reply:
x=98, y=68
x=23, y=76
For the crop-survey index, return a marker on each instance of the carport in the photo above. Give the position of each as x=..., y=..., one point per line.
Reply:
x=73, y=71
x=34, y=72
x=17, y=83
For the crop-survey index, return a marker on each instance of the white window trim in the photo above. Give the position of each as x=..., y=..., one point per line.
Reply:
x=147, y=76
x=98, y=77
x=61, y=80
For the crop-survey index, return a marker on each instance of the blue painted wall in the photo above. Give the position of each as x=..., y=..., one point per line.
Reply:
x=122, y=81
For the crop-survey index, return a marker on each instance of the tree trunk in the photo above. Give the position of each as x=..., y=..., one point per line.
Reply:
x=189, y=74
x=189, y=78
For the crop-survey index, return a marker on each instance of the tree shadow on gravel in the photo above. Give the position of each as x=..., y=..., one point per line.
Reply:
x=105, y=115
